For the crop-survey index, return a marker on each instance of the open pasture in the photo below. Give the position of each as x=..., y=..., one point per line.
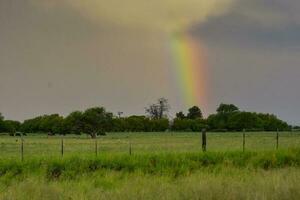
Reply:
x=139, y=143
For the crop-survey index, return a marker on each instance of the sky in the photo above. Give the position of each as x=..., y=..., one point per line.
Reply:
x=57, y=56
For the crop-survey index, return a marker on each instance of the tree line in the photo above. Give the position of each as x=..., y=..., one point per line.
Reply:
x=97, y=121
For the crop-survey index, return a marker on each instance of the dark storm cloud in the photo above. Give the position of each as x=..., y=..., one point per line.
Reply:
x=264, y=23
x=254, y=53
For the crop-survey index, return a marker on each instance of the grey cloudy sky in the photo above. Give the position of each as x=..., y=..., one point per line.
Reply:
x=54, y=58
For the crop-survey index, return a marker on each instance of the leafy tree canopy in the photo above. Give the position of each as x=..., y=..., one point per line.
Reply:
x=227, y=108
x=180, y=115
x=96, y=121
x=194, y=113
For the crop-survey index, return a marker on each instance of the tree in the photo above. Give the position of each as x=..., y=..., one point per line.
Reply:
x=140, y=124
x=96, y=121
x=180, y=115
x=194, y=125
x=51, y=124
x=119, y=125
x=2, y=126
x=227, y=108
x=244, y=120
x=137, y=123
x=159, y=125
x=272, y=123
x=12, y=126
x=32, y=125
x=159, y=109
x=194, y=113
x=73, y=123
x=296, y=127
x=217, y=122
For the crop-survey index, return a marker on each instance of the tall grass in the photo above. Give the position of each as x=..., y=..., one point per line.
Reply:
x=224, y=183
x=174, y=164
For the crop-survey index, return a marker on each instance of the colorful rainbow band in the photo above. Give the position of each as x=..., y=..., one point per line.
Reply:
x=190, y=68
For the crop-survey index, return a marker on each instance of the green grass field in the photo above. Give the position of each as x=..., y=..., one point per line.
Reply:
x=162, y=166
x=41, y=145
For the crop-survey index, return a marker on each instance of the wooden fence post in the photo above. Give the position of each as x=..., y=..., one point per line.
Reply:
x=96, y=146
x=62, y=147
x=22, y=149
x=130, y=148
x=244, y=139
x=277, y=139
x=204, y=140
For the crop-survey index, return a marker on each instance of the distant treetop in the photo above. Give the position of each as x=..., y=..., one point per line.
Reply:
x=227, y=108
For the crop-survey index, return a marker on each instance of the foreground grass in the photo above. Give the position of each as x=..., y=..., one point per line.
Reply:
x=163, y=166
x=212, y=175
x=151, y=163
x=222, y=183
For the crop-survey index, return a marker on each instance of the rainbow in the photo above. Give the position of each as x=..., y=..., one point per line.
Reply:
x=190, y=69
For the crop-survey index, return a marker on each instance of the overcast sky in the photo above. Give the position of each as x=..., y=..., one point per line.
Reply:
x=63, y=55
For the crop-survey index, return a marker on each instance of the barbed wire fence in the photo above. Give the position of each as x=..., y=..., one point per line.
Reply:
x=134, y=147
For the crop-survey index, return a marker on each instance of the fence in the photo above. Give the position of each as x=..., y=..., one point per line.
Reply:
x=130, y=143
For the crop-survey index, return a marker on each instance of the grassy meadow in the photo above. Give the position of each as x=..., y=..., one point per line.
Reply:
x=162, y=166
x=43, y=146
